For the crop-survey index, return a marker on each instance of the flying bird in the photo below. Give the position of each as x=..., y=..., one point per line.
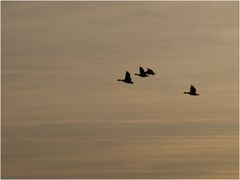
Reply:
x=127, y=78
x=192, y=91
x=142, y=73
x=150, y=72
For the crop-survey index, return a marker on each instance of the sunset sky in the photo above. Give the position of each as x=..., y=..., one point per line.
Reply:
x=65, y=115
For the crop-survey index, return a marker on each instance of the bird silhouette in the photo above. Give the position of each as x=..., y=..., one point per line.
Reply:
x=127, y=78
x=142, y=73
x=192, y=91
x=150, y=72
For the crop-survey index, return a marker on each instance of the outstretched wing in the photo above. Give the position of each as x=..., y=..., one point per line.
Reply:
x=141, y=70
x=149, y=70
x=192, y=89
x=127, y=76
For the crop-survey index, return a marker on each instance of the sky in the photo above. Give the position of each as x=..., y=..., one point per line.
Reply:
x=65, y=115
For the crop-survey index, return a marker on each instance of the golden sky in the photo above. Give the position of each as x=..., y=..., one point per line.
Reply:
x=65, y=115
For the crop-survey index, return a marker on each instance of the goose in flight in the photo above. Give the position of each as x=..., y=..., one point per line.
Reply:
x=192, y=91
x=142, y=73
x=127, y=78
x=150, y=72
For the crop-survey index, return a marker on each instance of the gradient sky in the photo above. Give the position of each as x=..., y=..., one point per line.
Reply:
x=64, y=115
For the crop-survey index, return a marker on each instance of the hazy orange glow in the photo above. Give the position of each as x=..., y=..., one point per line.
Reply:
x=65, y=115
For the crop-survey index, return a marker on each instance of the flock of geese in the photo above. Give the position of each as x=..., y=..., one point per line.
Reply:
x=143, y=73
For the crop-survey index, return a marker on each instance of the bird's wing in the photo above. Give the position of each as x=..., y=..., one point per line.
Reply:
x=192, y=89
x=141, y=70
x=150, y=70
x=127, y=76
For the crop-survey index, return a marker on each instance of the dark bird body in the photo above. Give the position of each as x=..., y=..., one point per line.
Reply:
x=142, y=73
x=192, y=91
x=127, y=78
x=150, y=72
